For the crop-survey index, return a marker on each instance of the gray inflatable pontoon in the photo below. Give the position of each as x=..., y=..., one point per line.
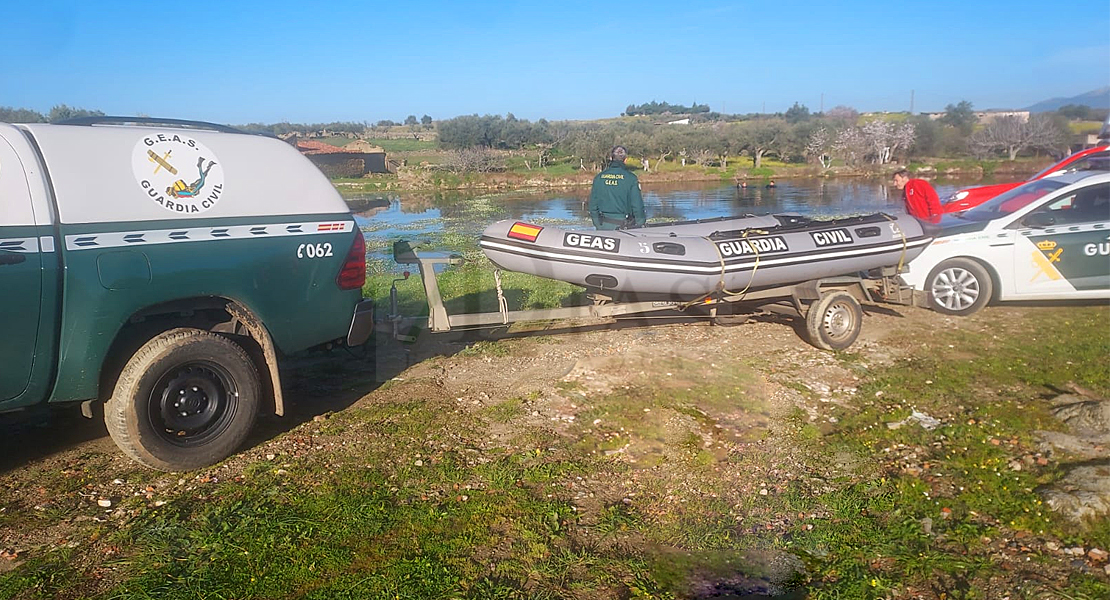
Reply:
x=690, y=259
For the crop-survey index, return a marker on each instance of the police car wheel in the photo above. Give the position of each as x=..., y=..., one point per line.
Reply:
x=834, y=321
x=959, y=286
x=187, y=399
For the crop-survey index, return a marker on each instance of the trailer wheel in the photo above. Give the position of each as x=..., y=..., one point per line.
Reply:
x=833, y=322
x=959, y=286
x=187, y=399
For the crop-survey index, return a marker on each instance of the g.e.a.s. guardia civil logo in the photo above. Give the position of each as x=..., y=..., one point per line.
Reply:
x=178, y=173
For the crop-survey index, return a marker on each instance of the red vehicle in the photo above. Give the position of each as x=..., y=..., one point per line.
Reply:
x=1091, y=158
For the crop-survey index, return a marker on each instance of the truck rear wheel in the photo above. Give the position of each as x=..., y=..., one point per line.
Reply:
x=834, y=321
x=187, y=399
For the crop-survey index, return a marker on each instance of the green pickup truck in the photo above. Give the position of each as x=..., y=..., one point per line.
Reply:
x=161, y=267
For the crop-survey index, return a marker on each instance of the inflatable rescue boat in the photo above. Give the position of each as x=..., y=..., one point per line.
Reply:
x=690, y=259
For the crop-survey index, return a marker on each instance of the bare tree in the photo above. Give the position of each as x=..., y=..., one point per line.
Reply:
x=820, y=146
x=476, y=159
x=851, y=144
x=1012, y=135
x=876, y=141
x=878, y=133
x=902, y=137
x=703, y=155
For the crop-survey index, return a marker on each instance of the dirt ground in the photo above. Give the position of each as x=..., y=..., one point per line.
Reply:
x=49, y=461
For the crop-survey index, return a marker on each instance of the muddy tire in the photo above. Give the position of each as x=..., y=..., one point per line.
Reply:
x=834, y=321
x=186, y=399
x=959, y=286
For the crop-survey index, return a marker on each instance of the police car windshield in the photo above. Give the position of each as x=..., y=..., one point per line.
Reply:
x=1013, y=200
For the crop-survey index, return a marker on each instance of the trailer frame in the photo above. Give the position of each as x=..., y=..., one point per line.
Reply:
x=830, y=306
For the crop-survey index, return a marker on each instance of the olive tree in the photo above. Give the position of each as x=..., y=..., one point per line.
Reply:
x=760, y=136
x=666, y=141
x=61, y=112
x=590, y=143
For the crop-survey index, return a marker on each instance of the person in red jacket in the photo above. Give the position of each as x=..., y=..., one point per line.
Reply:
x=921, y=199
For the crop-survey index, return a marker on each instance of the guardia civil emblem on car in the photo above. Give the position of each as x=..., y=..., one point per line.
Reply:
x=178, y=173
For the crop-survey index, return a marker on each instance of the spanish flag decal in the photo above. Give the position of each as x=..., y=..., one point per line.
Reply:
x=524, y=231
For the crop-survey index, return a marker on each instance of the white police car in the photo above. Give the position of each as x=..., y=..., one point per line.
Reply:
x=1046, y=240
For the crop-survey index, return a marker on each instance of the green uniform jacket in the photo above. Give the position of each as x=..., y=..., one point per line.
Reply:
x=615, y=198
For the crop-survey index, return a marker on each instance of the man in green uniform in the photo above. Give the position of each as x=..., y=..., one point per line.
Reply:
x=615, y=200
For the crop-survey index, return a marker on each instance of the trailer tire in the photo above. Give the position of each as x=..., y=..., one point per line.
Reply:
x=834, y=321
x=185, y=400
x=959, y=286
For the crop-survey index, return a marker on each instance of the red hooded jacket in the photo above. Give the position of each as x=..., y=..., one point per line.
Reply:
x=921, y=199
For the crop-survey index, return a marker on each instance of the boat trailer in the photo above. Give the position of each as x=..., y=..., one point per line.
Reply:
x=830, y=306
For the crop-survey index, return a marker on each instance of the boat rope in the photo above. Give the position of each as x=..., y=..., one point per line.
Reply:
x=721, y=259
x=898, y=230
x=502, y=304
x=755, y=266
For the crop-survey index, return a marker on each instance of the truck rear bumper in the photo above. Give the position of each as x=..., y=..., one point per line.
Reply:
x=362, y=323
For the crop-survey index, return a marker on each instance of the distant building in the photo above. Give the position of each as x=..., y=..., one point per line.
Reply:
x=683, y=121
x=986, y=116
x=348, y=161
x=364, y=147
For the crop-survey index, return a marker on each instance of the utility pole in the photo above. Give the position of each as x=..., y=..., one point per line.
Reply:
x=822, y=103
x=911, y=102
x=764, y=107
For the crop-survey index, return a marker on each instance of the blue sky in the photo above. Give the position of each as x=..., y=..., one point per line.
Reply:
x=235, y=62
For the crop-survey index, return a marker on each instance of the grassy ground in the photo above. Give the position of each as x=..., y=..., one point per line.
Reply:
x=988, y=392
x=470, y=288
x=684, y=486
x=409, y=499
x=404, y=145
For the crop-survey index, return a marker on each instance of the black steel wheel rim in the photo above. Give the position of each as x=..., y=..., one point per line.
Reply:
x=193, y=403
x=839, y=321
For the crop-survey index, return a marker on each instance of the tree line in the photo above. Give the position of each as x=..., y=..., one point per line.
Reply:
x=839, y=134
x=60, y=112
x=659, y=108
x=63, y=112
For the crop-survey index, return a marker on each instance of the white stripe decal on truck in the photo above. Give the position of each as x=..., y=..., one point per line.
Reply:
x=116, y=239
x=21, y=245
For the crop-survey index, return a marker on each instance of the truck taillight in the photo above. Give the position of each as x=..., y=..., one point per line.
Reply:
x=353, y=274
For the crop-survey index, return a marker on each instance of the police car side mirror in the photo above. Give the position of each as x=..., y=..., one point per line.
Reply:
x=1039, y=220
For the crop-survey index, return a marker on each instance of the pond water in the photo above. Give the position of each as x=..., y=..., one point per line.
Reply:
x=433, y=217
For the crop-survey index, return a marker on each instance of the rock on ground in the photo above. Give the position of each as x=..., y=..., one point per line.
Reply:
x=1083, y=494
